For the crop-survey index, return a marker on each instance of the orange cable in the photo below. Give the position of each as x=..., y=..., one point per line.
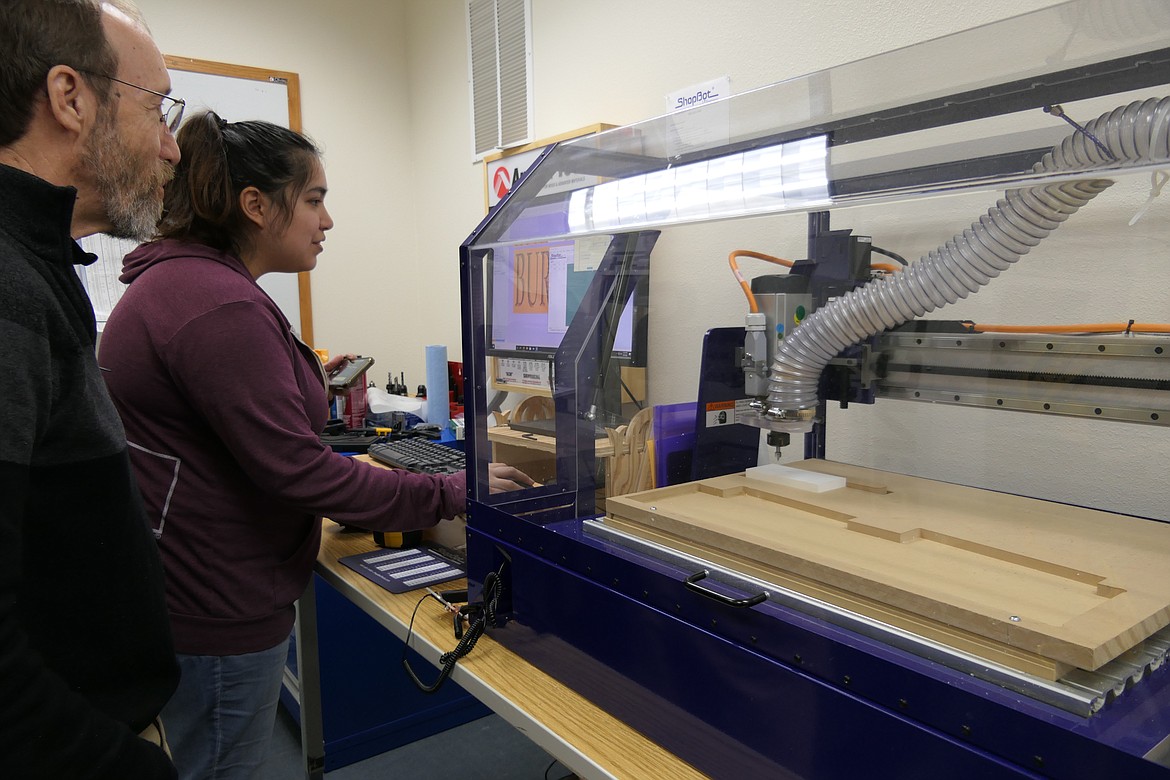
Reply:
x=888, y=267
x=747, y=289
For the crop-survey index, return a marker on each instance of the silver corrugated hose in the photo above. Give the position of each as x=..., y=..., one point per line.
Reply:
x=1137, y=133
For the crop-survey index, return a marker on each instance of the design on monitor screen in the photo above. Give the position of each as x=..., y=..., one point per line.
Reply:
x=536, y=290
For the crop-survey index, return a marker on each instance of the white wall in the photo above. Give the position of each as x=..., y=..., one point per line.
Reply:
x=351, y=57
x=385, y=92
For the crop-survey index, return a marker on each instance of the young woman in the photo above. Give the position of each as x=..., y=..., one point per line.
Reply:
x=222, y=405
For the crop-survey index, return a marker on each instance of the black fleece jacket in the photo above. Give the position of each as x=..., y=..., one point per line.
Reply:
x=86, y=660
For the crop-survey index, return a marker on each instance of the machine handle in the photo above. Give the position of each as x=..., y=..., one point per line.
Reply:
x=692, y=584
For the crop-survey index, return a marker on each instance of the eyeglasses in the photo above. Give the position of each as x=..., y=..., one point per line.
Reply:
x=172, y=117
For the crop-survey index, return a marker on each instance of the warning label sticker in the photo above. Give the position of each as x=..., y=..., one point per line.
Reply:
x=726, y=412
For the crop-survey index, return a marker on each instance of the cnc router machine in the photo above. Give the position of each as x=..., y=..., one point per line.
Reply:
x=924, y=527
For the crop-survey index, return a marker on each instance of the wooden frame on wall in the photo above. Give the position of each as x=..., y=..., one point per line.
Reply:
x=525, y=155
x=232, y=88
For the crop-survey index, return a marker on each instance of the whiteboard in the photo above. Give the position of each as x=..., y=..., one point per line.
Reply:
x=236, y=99
x=236, y=93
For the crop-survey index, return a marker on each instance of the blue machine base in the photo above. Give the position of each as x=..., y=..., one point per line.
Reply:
x=767, y=692
x=368, y=704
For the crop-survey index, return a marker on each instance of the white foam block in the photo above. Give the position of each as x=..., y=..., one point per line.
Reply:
x=800, y=479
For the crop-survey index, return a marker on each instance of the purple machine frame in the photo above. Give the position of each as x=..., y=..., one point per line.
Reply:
x=743, y=689
x=738, y=685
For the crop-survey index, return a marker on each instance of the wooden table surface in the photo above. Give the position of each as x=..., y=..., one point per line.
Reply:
x=581, y=736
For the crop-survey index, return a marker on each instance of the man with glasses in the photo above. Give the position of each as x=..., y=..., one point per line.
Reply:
x=86, y=145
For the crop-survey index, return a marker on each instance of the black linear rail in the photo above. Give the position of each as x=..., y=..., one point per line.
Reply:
x=1138, y=71
x=974, y=169
x=1032, y=376
x=1120, y=75
x=962, y=170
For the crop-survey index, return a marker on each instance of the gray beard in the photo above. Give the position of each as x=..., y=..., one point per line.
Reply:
x=128, y=190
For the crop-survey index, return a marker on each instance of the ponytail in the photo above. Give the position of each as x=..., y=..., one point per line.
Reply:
x=219, y=160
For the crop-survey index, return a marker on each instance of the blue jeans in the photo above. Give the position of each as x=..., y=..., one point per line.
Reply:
x=220, y=720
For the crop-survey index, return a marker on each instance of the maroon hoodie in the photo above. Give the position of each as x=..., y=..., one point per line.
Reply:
x=222, y=405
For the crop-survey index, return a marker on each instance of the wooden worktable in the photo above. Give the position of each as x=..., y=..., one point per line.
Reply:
x=587, y=740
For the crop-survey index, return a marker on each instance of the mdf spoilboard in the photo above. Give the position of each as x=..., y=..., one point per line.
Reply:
x=1073, y=585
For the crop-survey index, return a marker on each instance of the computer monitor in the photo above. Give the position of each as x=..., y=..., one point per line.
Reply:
x=535, y=288
x=535, y=292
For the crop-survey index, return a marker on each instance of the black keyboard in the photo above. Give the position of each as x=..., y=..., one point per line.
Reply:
x=455, y=556
x=420, y=455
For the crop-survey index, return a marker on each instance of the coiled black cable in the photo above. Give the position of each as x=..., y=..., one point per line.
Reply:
x=484, y=615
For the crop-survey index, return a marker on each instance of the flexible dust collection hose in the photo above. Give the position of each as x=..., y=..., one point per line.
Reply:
x=1137, y=133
